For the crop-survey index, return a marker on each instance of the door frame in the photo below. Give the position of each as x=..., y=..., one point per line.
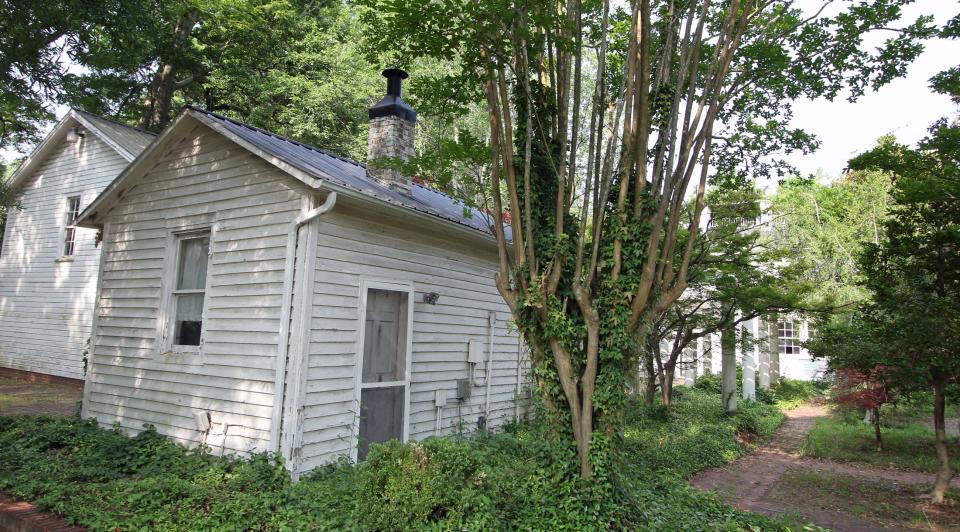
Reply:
x=390, y=285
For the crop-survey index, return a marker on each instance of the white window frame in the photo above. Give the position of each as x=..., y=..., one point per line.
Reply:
x=365, y=286
x=167, y=315
x=794, y=339
x=70, y=223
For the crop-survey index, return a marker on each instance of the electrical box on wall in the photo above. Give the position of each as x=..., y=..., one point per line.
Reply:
x=475, y=352
x=463, y=389
x=203, y=421
x=440, y=398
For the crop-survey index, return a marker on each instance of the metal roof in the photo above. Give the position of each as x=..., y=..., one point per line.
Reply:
x=127, y=141
x=131, y=139
x=353, y=175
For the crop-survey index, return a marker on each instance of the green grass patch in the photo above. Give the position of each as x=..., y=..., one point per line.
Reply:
x=523, y=478
x=888, y=504
x=909, y=445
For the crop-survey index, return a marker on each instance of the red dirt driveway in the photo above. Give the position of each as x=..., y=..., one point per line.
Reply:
x=19, y=396
x=776, y=480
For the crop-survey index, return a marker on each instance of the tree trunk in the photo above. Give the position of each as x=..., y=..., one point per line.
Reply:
x=728, y=350
x=774, y=346
x=651, y=381
x=156, y=109
x=666, y=384
x=707, y=355
x=876, y=428
x=944, y=473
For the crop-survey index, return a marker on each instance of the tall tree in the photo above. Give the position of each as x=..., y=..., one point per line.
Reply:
x=914, y=273
x=595, y=188
x=911, y=324
x=7, y=199
x=826, y=225
x=291, y=66
x=40, y=41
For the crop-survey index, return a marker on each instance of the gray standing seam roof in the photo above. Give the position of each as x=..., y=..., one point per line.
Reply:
x=129, y=138
x=353, y=175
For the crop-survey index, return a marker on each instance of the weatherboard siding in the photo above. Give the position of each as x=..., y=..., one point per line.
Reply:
x=203, y=179
x=46, y=305
x=352, y=246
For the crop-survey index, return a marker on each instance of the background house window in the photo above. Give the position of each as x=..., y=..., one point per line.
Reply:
x=70, y=225
x=789, y=338
x=193, y=256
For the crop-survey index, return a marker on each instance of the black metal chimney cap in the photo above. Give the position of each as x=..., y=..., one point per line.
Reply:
x=392, y=104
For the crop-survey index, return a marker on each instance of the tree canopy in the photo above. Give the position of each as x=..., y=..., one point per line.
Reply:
x=825, y=227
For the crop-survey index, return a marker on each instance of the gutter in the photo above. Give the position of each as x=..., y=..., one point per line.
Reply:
x=286, y=300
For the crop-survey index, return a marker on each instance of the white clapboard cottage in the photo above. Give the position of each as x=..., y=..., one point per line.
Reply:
x=258, y=294
x=48, y=265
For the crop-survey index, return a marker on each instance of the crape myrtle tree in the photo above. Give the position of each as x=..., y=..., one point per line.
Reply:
x=601, y=120
x=736, y=274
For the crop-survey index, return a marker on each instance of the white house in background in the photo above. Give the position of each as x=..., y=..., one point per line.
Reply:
x=259, y=294
x=774, y=349
x=48, y=265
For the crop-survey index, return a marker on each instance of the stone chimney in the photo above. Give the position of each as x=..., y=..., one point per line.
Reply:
x=392, y=124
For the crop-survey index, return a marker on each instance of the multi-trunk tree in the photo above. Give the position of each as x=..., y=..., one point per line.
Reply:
x=603, y=121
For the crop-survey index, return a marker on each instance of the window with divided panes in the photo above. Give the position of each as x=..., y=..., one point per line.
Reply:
x=789, y=337
x=70, y=226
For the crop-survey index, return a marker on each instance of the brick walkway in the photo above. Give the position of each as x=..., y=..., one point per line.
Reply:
x=21, y=397
x=753, y=482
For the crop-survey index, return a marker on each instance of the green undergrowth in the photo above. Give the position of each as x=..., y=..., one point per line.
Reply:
x=523, y=478
x=785, y=393
x=907, y=443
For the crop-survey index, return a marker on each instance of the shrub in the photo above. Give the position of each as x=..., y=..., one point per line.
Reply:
x=794, y=391
x=709, y=383
x=525, y=478
x=766, y=396
x=758, y=419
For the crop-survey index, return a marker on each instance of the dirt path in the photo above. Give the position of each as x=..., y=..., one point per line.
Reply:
x=20, y=397
x=776, y=479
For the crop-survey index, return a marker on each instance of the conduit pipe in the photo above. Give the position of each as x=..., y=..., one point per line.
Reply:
x=283, y=341
x=516, y=399
x=491, y=324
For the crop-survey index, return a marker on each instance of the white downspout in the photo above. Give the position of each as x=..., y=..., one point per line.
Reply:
x=285, y=301
x=491, y=324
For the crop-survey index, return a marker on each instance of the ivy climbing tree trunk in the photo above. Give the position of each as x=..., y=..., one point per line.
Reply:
x=588, y=189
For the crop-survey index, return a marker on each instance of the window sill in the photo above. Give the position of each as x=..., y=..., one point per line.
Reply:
x=65, y=258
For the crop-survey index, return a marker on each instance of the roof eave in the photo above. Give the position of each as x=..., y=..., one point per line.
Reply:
x=88, y=217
